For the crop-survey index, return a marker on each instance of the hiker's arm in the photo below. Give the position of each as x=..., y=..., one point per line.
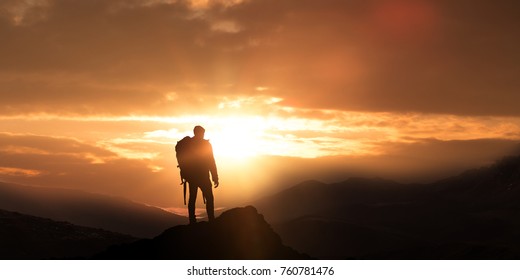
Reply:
x=213, y=167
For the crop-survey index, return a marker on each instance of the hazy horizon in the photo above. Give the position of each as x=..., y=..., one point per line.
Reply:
x=95, y=94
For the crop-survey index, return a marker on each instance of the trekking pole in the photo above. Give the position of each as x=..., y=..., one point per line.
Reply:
x=183, y=182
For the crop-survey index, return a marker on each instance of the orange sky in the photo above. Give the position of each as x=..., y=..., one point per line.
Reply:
x=94, y=94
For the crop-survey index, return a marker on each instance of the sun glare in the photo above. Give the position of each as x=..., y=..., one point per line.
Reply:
x=239, y=140
x=240, y=137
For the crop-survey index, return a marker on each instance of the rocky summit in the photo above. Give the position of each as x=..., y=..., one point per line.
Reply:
x=239, y=233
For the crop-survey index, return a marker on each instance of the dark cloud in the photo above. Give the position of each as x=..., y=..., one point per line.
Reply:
x=461, y=61
x=119, y=57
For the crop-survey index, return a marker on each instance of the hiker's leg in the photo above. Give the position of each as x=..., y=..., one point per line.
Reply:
x=208, y=194
x=210, y=208
x=191, y=202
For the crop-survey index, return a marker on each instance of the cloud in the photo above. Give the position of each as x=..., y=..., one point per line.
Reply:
x=123, y=57
x=350, y=55
x=68, y=163
x=266, y=128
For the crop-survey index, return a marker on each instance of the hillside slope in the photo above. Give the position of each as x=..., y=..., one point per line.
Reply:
x=29, y=237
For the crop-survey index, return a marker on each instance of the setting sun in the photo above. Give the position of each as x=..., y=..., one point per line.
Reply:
x=236, y=142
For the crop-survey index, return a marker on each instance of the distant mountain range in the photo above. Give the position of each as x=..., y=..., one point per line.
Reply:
x=473, y=215
x=88, y=209
x=29, y=237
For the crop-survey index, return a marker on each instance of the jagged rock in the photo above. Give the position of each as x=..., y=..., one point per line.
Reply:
x=240, y=233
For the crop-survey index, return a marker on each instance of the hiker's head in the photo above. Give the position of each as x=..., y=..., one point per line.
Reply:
x=199, y=131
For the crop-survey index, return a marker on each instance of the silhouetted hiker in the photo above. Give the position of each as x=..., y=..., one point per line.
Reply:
x=196, y=161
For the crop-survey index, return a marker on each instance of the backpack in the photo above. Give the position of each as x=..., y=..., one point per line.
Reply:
x=185, y=158
x=183, y=153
